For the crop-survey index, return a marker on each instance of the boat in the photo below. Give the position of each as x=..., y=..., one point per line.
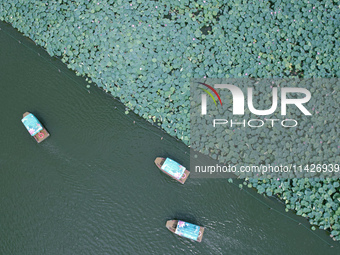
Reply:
x=172, y=168
x=34, y=127
x=185, y=229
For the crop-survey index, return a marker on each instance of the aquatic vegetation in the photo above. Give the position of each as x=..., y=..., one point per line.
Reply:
x=146, y=52
x=316, y=199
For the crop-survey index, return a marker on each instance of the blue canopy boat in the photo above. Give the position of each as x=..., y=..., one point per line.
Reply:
x=34, y=127
x=185, y=229
x=172, y=168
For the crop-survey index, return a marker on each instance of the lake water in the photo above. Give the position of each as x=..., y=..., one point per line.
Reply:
x=92, y=187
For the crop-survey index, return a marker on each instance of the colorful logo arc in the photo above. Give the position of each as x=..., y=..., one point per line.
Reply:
x=209, y=93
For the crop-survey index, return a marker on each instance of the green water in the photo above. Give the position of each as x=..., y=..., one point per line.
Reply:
x=92, y=187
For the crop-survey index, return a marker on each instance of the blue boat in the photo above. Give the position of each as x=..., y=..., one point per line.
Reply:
x=172, y=168
x=185, y=229
x=34, y=127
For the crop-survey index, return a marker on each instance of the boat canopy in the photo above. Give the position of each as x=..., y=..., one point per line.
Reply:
x=32, y=124
x=187, y=230
x=173, y=168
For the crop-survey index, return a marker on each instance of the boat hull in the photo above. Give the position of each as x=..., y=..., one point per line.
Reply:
x=42, y=135
x=172, y=225
x=159, y=162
